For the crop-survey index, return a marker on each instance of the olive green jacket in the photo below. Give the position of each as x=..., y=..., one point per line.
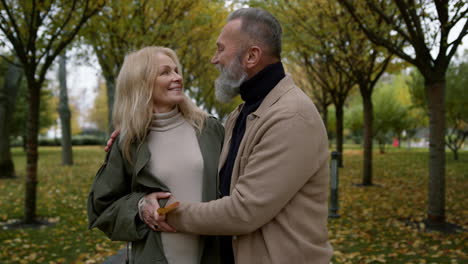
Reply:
x=119, y=185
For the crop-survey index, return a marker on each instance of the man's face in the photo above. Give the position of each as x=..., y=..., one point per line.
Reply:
x=229, y=61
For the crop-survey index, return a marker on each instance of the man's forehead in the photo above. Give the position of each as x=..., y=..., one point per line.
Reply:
x=230, y=31
x=232, y=26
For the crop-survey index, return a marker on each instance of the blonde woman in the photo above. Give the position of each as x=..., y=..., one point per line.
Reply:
x=166, y=144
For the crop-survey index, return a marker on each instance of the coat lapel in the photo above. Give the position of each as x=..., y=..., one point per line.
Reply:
x=141, y=174
x=281, y=88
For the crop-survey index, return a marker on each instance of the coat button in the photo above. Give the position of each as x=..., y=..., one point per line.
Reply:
x=250, y=117
x=234, y=237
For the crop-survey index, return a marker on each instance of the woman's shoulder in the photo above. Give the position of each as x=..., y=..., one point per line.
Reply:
x=212, y=121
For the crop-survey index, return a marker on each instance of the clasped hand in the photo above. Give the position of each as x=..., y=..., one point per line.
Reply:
x=149, y=214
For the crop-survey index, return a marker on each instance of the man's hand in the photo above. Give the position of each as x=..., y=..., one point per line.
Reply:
x=111, y=140
x=149, y=214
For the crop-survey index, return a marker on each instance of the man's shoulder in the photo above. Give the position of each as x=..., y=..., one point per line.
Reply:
x=295, y=102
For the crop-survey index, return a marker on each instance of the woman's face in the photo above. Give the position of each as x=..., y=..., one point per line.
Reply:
x=168, y=89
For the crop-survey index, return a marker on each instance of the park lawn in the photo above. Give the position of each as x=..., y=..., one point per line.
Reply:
x=372, y=227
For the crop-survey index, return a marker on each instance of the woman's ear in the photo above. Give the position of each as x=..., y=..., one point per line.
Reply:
x=253, y=57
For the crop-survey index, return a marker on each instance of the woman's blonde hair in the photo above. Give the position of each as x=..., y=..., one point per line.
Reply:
x=133, y=105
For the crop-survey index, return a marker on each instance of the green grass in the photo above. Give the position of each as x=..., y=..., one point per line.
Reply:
x=371, y=228
x=62, y=194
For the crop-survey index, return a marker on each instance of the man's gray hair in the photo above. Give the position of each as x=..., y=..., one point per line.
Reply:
x=261, y=27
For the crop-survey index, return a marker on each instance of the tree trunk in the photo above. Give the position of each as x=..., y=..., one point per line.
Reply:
x=435, y=91
x=339, y=132
x=34, y=89
x=367, y=137
x=382, y=146
x=110, y=83
x=325, y=115
x=455, y=155
x=64, y=113
x=7, y=104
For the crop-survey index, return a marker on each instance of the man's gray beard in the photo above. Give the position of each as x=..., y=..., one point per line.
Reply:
x=227, y=85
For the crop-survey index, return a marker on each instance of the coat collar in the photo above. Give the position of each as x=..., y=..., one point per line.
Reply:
x=281, y=88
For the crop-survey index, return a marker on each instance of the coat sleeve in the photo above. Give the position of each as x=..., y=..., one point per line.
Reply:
x=287, y=155
x=219, y=128
x=112, y=206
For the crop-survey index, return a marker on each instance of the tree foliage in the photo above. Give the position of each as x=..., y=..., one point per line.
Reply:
x=189, y=27
x=37, y=32
x=390, y=115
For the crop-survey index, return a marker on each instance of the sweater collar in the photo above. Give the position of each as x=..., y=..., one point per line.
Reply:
x=257, y=87
x=167, y=121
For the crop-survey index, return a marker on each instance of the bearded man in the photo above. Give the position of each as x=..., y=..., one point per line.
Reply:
x=273, y=168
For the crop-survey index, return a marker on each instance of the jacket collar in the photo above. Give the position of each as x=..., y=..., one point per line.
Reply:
x=257, y=88
x=281, y=88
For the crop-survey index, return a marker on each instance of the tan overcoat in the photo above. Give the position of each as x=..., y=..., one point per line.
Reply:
x=277, y=208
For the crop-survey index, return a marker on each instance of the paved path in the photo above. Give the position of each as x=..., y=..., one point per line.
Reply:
x=118, y=258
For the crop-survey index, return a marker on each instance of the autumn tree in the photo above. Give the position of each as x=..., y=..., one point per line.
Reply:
x=425, y=26
x=37, y=32
x=363, y=62
x=188, y=27
x=8, y=95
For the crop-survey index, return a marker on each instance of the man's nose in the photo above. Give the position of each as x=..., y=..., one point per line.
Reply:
x=215, y=60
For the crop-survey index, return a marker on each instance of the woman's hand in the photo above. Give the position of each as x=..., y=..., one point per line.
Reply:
x=148, y=212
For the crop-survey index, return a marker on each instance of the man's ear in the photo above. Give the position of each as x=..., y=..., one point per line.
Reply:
x=253, y=57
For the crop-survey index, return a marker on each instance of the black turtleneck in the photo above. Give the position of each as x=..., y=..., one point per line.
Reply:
x=252, y=91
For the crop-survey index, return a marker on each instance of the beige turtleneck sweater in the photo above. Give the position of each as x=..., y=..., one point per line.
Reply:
x=177, y=161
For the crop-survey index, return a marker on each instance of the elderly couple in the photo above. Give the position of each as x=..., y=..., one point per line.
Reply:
x=269, y=202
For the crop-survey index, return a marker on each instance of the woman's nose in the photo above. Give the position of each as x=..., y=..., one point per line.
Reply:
x=177, y=77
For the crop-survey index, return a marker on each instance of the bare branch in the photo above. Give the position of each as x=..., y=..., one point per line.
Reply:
x=454, y=44
x=10, y=61
x=375, y=37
